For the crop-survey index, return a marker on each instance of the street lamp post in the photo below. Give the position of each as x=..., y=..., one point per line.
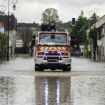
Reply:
x=8, y=33
x=9, y=27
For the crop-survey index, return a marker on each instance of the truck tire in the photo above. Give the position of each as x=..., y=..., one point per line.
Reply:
x=38, y=68
x=67, y=68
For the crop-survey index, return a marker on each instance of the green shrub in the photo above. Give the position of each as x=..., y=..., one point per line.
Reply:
x=2, y=45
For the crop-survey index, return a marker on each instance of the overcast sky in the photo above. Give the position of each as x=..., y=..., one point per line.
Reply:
x=31, y=10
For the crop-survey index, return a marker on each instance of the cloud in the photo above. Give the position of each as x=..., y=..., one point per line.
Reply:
x=31, y=10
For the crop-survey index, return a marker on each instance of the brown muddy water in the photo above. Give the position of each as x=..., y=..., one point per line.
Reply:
x=73, y=90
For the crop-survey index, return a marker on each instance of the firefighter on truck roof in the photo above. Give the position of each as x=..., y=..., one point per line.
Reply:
x=48, y=27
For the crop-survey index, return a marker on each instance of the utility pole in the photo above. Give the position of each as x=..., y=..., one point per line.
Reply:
x=8, y=29
x=8, y=33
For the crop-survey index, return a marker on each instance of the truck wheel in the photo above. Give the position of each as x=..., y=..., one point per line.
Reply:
x=67, y=68
x=38, y=68
x=41, y=69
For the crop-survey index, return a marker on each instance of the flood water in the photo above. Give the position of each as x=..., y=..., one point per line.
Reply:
x=21, y=85
x=74, y=90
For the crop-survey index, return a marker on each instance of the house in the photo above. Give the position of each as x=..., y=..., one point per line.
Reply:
x=9, y=28
x=100, y=38
x=12, y=21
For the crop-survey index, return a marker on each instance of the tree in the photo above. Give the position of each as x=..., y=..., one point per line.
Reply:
x=92, y=33
x=79, y=30
x=93, y=19
x=26, y=35
x=2, y=13
x=49, y=15
x=93, y=36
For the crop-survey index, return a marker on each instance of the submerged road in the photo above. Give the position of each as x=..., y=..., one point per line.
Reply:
x=21, y=85
x=25, y=66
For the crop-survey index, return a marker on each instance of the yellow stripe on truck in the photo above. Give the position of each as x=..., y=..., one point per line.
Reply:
x=46, y=48
x=55, y=48
x=52, y=48
x=63, y=48
x=59, y=48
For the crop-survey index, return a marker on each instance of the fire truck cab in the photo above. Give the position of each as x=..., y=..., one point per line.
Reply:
x=52, y=51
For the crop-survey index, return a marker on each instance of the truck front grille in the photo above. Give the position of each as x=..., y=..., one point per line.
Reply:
x=52, y=58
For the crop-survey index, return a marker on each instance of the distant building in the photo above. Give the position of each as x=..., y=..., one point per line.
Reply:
x=31, y=26
x=26, y=31
x=27, y=25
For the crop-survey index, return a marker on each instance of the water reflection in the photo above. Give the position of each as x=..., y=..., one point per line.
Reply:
x=57, y=92
x=17, y=91
x=88, y=90
x=7, y=88
x=75, y=90
x=46, y=92
x=52, y=90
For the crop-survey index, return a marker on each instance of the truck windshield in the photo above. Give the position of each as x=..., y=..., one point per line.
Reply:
x=53, y=39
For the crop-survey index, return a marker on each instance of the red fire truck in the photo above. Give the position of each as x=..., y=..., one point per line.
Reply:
x=52, y=51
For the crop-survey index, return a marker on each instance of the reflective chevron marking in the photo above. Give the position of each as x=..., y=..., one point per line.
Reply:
x=46, y=48
x=50, y=48
x=53, y=48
